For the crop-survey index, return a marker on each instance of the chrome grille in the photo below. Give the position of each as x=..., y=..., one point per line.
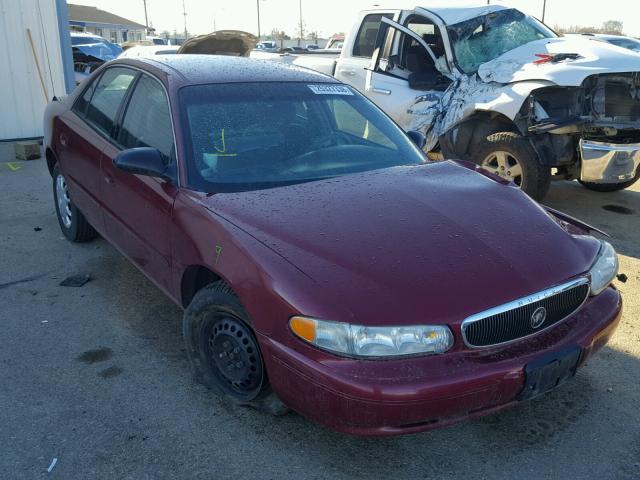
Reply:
x=515, y=320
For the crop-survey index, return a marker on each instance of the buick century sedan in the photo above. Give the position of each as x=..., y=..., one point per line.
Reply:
x=323, y=263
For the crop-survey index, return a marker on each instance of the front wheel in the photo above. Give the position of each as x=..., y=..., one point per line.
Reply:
x=510, y=156
x=73, y=224
x=224, y=352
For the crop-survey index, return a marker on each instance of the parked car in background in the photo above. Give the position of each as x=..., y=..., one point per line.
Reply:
x=336, y=42
x=617, y=40
x=268, y=46
x=497, y=87
x=90, y=52
x=323, y=262
x=293, y=50
x=149, y=51
x=312, y=46
x=157, y=40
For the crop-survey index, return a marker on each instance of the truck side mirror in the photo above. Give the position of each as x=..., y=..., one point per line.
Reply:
x=417, y=138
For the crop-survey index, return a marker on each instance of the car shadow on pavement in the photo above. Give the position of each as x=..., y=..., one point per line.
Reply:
x=617, y=213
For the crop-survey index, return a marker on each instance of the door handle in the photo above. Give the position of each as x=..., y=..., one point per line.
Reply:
x=349, y=73
x=109, y=179
x=63, y=140
x=382, y=91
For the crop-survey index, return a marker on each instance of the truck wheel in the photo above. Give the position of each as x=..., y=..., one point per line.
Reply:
x=511, y=156
x=610, y=187
x=223, y=350
x=73, y=224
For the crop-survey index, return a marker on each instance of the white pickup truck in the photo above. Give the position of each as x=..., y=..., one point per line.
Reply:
x=499, y=88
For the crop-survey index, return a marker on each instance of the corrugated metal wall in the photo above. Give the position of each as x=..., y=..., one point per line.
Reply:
x=22, y=95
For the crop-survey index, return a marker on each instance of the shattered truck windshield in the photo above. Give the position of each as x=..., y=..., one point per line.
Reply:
x=485, y=38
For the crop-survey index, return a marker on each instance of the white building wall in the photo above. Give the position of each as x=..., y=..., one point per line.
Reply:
x=22, y=96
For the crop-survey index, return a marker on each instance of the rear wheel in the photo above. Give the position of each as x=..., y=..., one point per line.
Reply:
x=224, y=352
x=73, y=224
x=510, y=156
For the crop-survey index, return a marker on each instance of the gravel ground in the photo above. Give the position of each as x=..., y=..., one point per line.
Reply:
x=96, y=377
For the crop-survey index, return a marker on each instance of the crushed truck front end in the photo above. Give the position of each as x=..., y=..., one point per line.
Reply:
x=601, y=121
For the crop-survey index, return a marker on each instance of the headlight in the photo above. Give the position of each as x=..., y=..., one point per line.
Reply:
x=604, y=269
x=360, y=341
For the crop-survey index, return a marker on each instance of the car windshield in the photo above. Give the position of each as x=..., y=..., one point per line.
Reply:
x=249, y=136
x=485, y=38
x=628, y=43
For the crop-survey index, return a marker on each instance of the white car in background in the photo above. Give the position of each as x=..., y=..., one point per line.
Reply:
x=618, y=40
x=149, y=51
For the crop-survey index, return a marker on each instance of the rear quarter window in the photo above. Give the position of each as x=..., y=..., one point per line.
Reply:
x=366, y=40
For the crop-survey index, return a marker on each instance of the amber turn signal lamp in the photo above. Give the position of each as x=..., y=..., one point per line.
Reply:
x=304, y=328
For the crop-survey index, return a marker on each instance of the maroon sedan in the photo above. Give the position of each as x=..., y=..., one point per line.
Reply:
x=324, y=265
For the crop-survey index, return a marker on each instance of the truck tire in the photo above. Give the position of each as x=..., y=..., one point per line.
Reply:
x=223, y=350
x=610, y=187
x=510, y=156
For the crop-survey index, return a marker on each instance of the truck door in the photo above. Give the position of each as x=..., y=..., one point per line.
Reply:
x=351, y=66
x=405, y=77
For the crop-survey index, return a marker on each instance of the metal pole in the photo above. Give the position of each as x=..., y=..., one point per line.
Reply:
x=146, y=19
x=300, y=36
x=544, y=9
x=184, y=12
x=258, y=5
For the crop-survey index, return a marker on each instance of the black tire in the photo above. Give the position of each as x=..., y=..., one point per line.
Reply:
x=535, y=178
x=611, y=187
x=218, y=338
x=74, y=225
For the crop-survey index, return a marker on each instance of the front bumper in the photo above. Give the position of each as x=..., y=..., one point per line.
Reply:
x=608, y=162
x=378, y=398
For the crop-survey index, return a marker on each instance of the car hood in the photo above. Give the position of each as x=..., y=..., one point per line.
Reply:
x=594, y=57
x=409, y=245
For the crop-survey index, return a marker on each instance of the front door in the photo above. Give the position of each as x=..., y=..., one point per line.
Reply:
x=137, y=208
x=404, y=77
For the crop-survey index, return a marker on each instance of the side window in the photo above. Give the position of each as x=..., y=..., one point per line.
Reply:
x=147, y=120
x=366, y=40
x=107, y=97
x=80, y=107
x=413, y=57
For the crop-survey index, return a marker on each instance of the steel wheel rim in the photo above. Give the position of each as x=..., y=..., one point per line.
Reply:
x=64, y=202
x=235, y=357
x=505, y=165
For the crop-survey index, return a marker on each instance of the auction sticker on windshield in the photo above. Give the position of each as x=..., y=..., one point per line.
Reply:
x=330, y=89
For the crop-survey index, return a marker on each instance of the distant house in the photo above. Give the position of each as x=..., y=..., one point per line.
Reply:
x=107, y=25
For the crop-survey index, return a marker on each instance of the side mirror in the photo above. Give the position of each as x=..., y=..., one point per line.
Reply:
x=424, y=80
x=142, y=161
x=417, y=138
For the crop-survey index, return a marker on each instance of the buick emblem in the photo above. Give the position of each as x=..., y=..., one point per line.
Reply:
x=538, y=317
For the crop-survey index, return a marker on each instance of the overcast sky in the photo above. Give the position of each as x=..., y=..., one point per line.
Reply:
x=331, y=16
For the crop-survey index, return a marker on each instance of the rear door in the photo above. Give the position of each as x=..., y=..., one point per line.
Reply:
x=403, y=78
x=351, y=66
x=84, y=133
x=138, y=209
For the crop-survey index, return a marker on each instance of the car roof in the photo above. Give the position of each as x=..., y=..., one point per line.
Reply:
x=448, y=15
x=198, y=69
x=451, y=16
x=142, y=50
